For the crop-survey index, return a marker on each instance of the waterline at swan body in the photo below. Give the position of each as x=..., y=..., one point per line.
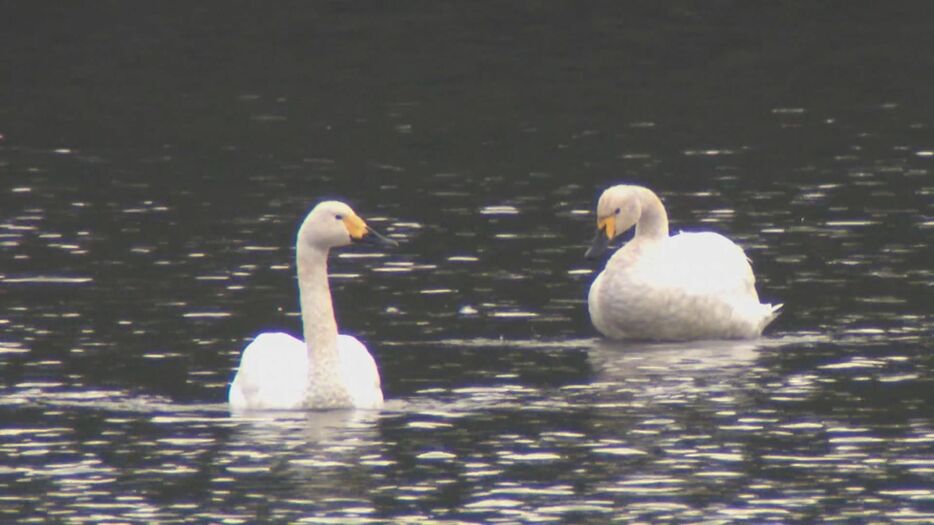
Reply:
x=659, y=287
x=274, y=372
x=327, y=370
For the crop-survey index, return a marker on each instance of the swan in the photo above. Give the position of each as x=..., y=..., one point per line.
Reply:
x=328, y=370
x=684, y=287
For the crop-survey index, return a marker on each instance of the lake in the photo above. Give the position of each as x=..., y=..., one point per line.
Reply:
x=156, y=161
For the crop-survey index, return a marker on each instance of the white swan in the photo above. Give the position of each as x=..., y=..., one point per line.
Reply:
x=278, y=371
x=684, y=287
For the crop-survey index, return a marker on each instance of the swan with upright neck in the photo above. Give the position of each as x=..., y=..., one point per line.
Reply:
x=327, y=370
x=659, y=287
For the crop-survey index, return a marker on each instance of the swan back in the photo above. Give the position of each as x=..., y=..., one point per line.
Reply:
x=359, y=373
x=272, y=374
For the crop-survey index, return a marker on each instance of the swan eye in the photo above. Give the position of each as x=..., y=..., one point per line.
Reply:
x=617, y=211
x=339, y=217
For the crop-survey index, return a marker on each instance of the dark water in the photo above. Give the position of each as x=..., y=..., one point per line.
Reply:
x=155, y=161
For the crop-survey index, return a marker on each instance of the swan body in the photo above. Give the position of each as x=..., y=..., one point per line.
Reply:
x=659, y=287
x=326, y=370
x=274, y=370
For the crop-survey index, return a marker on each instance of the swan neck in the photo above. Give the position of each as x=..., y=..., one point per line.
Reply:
x=324, y=388
x=653, y=220
x=318, y=323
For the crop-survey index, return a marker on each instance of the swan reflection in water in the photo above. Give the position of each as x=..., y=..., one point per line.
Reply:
x=703, y=369
x=625, y=359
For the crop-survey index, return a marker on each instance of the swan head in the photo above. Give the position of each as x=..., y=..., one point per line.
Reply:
x=332, y=224
x=618, y=209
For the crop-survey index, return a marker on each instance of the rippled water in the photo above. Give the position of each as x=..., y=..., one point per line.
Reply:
x=139, y=259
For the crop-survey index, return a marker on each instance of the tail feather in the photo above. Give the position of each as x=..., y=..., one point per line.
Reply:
x=775, y=311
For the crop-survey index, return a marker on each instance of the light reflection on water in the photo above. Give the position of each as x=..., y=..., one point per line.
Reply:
x=498, y=408
x=662, y=432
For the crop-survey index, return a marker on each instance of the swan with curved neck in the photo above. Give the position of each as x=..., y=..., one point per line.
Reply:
x=326, y=370
x=660, y=287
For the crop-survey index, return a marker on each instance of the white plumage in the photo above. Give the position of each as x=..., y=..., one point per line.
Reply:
x=687, y=286
x=327, y=370
x=274, y=372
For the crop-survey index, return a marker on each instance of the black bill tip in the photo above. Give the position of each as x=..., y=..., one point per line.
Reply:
x=598, y=246
x=375, y=238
